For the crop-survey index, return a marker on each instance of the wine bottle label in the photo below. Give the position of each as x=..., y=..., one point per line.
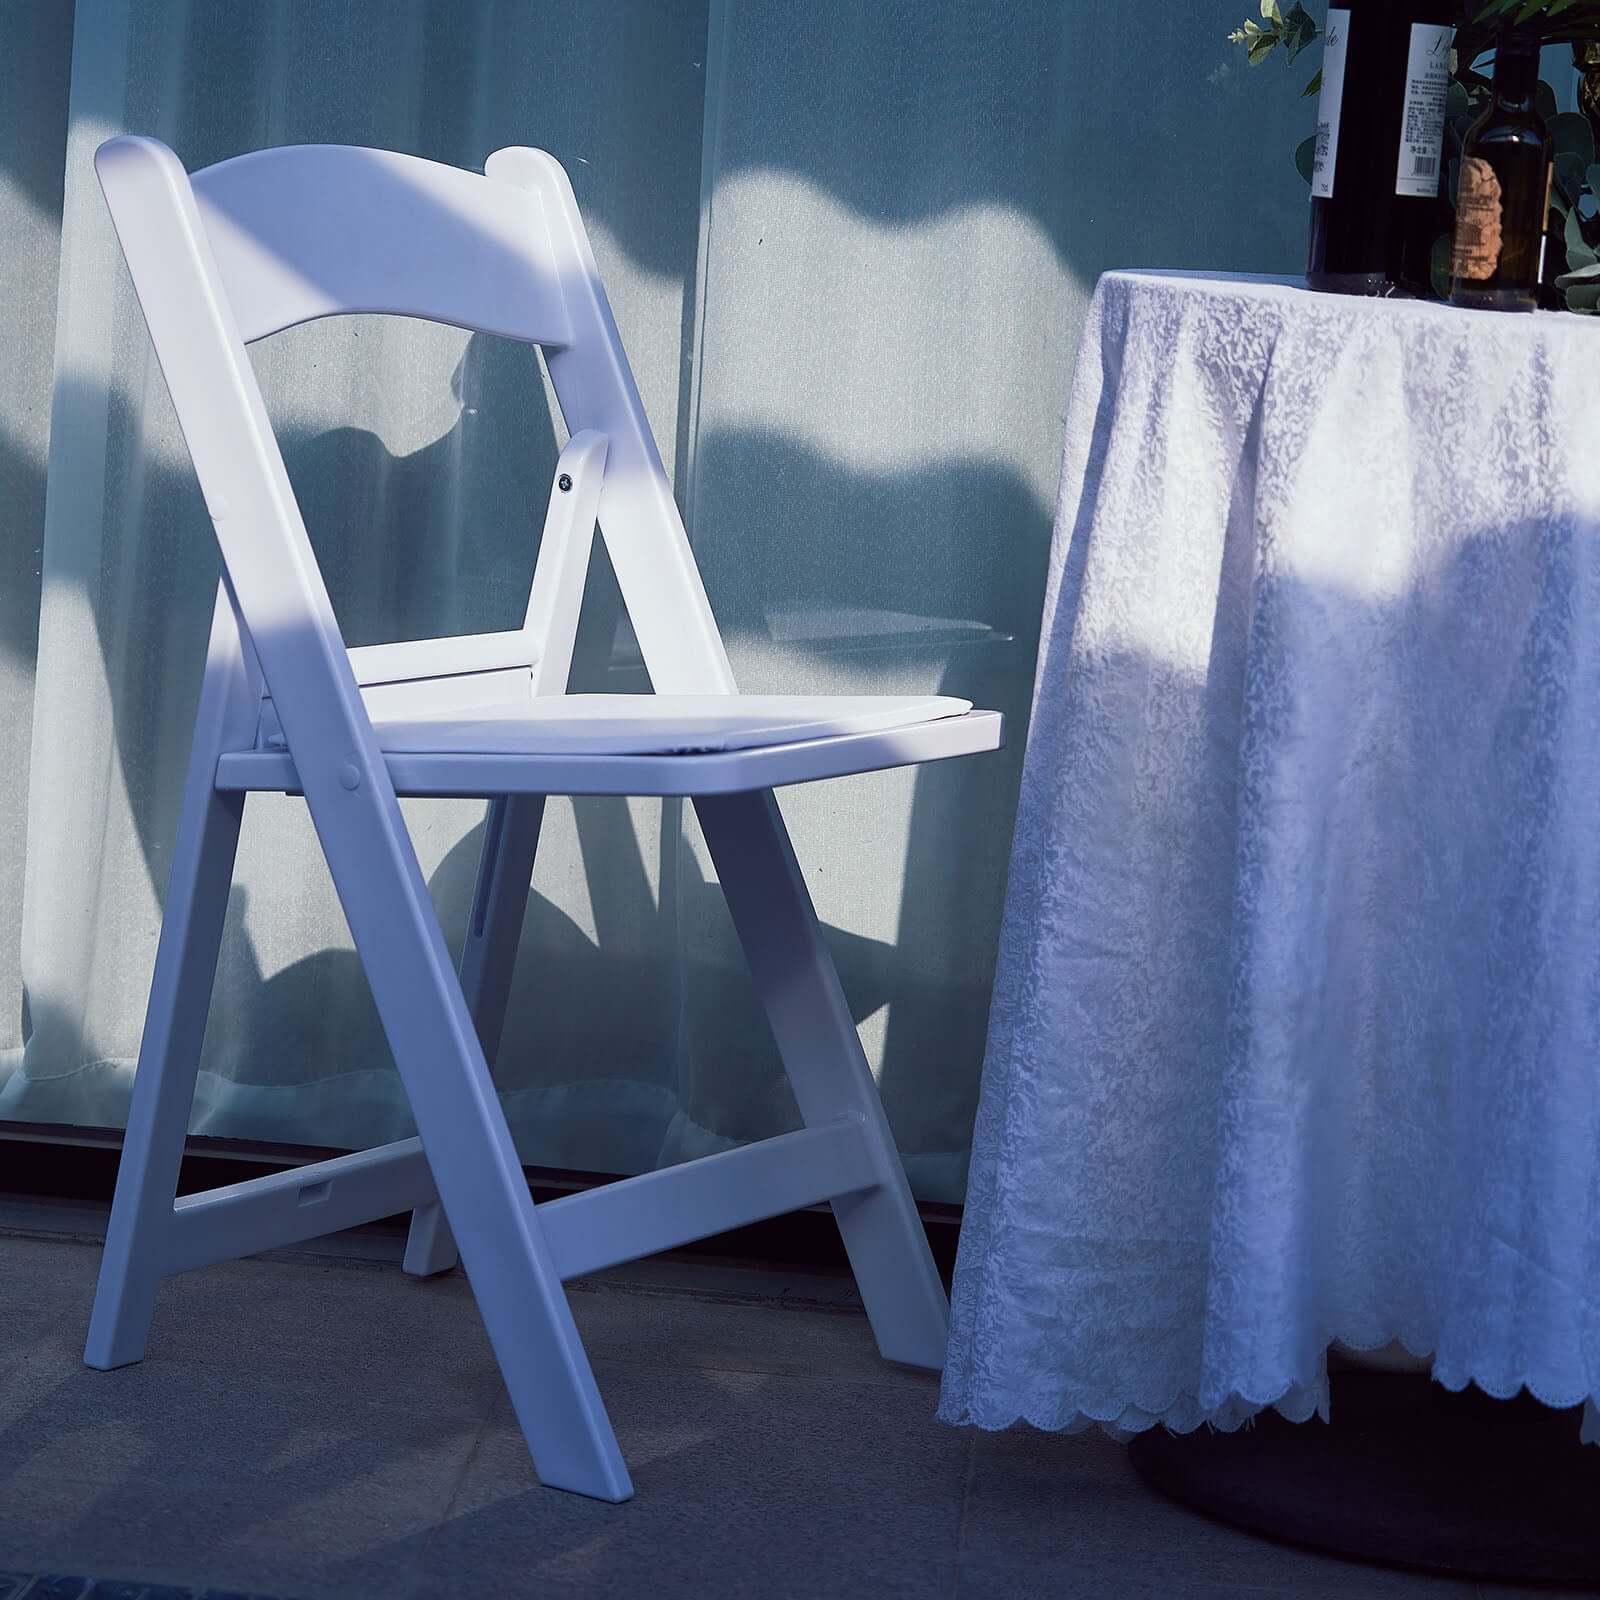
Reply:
x=1422, y=121
x=1479, y=229
x=1335, y=45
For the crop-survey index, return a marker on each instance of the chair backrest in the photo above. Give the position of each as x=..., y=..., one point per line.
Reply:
x=314, y=230
x=264, y=241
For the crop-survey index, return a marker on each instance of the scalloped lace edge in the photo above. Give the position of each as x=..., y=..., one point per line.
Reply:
x=1298, y=1400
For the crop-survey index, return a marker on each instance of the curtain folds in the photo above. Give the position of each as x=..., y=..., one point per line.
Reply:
x=849, y=251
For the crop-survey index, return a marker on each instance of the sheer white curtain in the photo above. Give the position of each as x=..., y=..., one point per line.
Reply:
x=849, y=249
x=422, y=459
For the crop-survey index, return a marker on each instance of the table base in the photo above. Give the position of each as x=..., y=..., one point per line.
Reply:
x=1408, y=1474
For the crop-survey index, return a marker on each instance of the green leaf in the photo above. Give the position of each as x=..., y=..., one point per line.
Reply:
x=1573, y=137
x=1299, y=30
x=1588, y=274
x=1569, y=177
x=1314, y=87
x=1261, y=49
x=1544, y=100
x=1580, y=253
x=1583, y=297
x=1305, y=157
x=1592, y=179
x=1269, y=9
x=1456, y=102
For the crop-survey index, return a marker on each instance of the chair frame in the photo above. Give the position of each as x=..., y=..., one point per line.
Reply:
x=235, y=254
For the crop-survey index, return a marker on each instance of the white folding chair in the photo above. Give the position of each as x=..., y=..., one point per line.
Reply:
x=255, y=245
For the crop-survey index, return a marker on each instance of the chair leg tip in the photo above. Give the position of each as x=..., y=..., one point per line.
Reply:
x=108, y=1359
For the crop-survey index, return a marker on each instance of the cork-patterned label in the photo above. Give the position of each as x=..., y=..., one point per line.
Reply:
x=1479, y=229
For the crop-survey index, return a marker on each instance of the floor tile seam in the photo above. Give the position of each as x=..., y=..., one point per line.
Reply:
x=602, y=1358
x=1419, y=1583
x=728, y=1297
x=258, y=1469
x=600, y=1354
x=359, y=1406
x=491, y=1399
x=963, y=1520
x=66, y=1236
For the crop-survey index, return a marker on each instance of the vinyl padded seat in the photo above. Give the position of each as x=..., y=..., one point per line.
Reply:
x=652, y=744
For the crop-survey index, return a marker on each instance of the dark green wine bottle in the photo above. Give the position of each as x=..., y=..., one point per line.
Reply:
x=1503, y=195
x=1380, y=140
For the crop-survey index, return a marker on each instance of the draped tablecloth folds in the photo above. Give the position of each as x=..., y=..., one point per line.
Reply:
x=1296, y=1030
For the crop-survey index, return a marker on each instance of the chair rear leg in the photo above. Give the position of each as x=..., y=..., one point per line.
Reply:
x=169, y=1060
x=488, y=961
x=795, y=977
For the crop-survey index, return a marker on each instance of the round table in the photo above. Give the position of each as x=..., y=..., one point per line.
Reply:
x=1296, y=1027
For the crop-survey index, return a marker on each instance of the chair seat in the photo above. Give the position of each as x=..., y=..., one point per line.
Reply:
x=652, y=744
x=654, y=724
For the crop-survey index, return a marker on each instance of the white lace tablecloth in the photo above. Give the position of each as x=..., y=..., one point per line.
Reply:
x=1296, y=1031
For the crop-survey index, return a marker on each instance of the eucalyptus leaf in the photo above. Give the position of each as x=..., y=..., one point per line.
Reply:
x=1580, y=253
x=1569, y=175
x=1299, y=30
x=1305, y=157
x=1314, y=87
x=1583, y=297
x=1573, y=137
x=1588, y=274
x=1592, y=178
x=1456, y=102
x=1544, y=100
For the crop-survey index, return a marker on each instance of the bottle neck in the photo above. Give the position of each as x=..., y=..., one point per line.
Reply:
x=1516, y=75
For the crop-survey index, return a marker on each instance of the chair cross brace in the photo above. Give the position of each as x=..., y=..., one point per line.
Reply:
x=587, y=1232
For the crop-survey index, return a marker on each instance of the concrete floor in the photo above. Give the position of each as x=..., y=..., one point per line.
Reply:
x=313, y=1423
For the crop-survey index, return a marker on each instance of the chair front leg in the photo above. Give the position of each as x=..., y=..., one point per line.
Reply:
x=468, y=1147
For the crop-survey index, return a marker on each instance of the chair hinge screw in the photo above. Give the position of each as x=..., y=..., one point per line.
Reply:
x=564, y=482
